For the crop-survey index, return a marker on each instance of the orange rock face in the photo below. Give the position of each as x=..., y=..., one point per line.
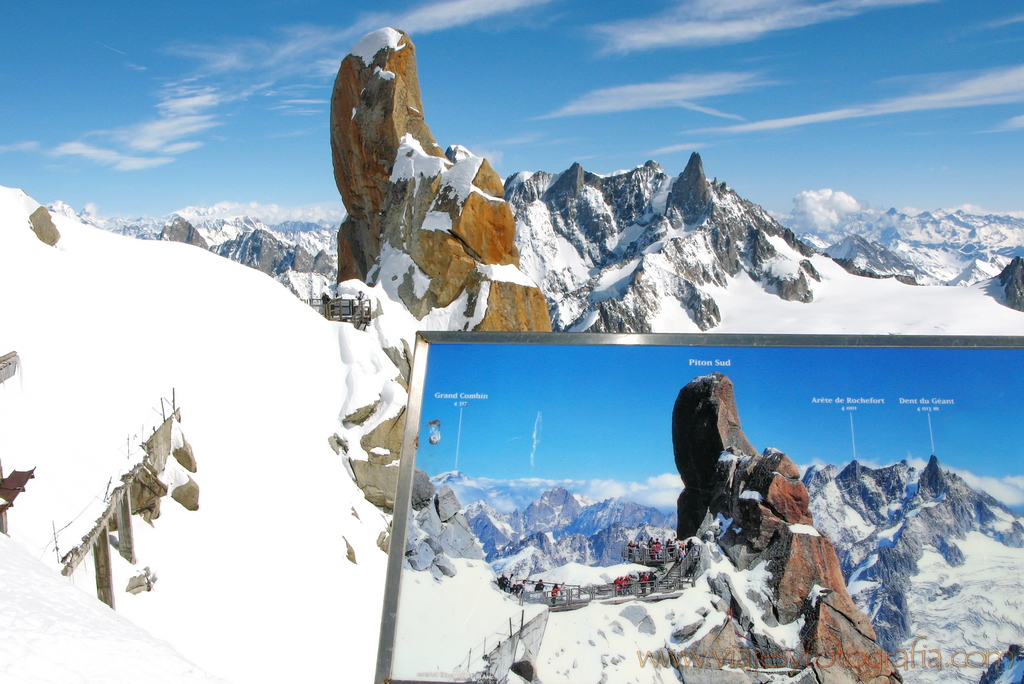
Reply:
x=790, y=500
x=487, y=230
x=373, y=105
x=421, y=224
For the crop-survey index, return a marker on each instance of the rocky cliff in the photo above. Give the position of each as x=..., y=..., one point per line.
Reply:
x=432, y=229
x=757, y=510
x=620, y=253
x=1012, y=280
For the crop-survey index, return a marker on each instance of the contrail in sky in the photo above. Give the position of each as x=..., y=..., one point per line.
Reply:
x=536, y=437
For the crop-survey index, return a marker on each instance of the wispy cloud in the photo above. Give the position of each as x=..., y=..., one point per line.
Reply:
x=998, y=86
x=180, y=114
x=682, y=147
x=1015, y=122
x=437, y=16
x=679, y=91
x=27, y=146
x=536, y=437
x=318, y=50
x=999, y=23
x=693, y=23
x=121, y=162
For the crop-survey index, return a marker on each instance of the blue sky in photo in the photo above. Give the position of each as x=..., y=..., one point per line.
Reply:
x=145, y=108
x=606, y=411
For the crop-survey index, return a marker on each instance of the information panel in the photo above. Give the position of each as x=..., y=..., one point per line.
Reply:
x=843, y=496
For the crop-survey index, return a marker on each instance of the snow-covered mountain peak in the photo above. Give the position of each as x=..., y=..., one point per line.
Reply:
x=914, y=545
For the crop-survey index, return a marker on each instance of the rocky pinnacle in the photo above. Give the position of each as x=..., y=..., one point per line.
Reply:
x=756, y=510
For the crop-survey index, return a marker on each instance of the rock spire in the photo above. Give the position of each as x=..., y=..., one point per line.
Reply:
x=434, y=230
x=754, y=507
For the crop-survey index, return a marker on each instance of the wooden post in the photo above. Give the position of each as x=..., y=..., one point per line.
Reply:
x=3, y=510
x=125, y=535
x=104, y=574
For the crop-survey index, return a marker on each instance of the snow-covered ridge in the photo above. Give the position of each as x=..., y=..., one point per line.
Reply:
x=146, y=318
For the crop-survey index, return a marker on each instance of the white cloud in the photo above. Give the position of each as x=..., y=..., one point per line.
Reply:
x=694, y=23
x=119, y=161
x=437, y=16
x=678, y=91
x=184, y=100
x=660, y=491
x=999, y=23
x=1008, y=490
x=672, y=149
x=998, y=86
x=158, y=135
x=1015, y=122
x=318, y=50
x=332, y=213
x=27, y=146
x=822, y=210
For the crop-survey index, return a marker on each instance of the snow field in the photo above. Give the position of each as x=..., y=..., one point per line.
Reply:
x=255, y=586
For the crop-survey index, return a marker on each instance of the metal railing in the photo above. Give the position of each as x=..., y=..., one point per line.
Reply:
x=8, y=365
x=354, y=310
x=653, y=557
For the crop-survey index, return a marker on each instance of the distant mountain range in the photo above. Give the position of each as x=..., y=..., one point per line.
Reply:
x=933, y=248
x=641, y=251
x=300, y=255
x=558, y=527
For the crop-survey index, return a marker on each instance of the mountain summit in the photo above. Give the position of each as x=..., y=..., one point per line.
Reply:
x=638, y=250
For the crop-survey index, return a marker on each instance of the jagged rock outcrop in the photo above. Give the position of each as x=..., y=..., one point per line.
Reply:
x=1012, y=280
x=434, y=231
x=754, y=507
x=180, y=230
x=438, y=532
x=42, y=225
x=376, y=102
x=617, y=253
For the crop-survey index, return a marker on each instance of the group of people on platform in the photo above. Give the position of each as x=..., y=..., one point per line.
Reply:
x=653, y=550
x=510, y=587
x=640, y=584
x=644, y=551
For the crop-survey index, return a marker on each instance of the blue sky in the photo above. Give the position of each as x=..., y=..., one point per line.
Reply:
x=605, y=411
x=145, y=108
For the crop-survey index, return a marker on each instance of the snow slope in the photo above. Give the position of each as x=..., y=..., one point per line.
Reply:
x=255, y=586
x=52, y=632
